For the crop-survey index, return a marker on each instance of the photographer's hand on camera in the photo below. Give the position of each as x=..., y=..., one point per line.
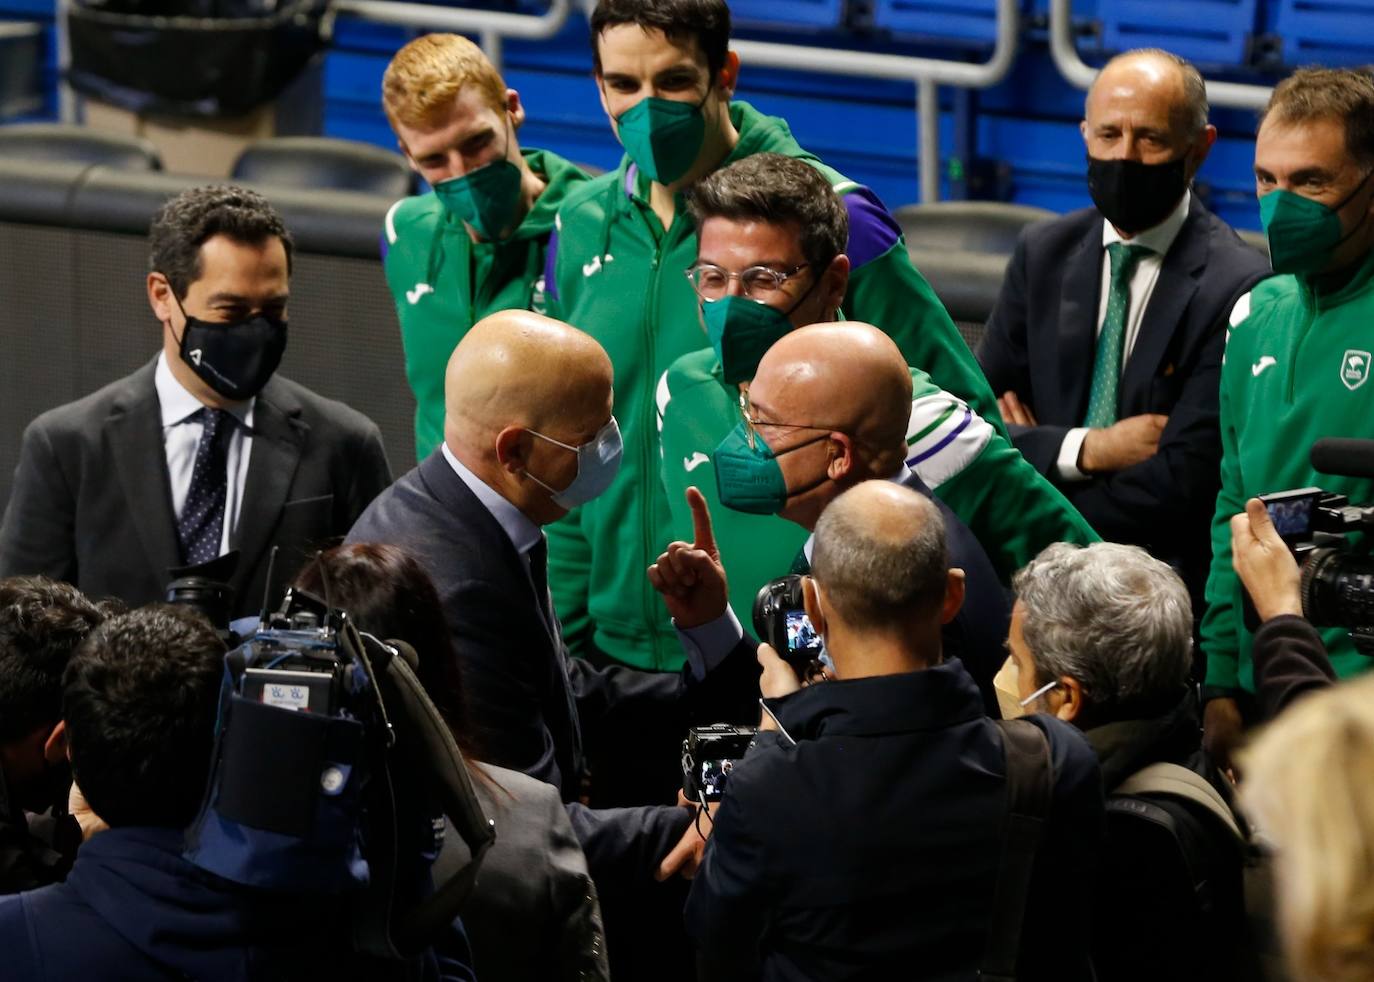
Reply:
x=685, y=857
x=1264, y=564
x=690, y=575
x=778, y=679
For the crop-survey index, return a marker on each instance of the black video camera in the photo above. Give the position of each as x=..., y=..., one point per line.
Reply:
x=708, y=755
x=1337, y=576
x=780, y=619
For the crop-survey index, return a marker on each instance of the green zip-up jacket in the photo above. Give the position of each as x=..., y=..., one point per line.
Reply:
x=615, y=272
x=1010, y=507
x=1297, y=369
x=443, y=282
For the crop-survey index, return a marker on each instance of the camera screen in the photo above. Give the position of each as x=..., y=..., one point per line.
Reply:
x=801, y=636
x=1292, y=517
x=713, y=777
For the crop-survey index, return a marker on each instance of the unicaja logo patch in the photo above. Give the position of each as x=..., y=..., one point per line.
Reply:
x=1355, y=369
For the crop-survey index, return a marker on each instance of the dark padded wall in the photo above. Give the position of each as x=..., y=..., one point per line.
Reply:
x=74, y=316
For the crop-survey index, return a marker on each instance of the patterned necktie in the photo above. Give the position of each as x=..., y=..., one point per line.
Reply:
x=201, y=525
x=1110, y=341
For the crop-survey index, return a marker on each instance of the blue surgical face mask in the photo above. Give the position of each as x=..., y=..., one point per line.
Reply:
x=598, y=461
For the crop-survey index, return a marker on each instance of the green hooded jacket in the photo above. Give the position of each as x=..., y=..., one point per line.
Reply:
x=615, y=272
x=1297, y=369
x=443, y=282
x=962, y=458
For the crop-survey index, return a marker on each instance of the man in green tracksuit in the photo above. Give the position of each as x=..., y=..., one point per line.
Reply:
x=615, y=270
x=1300, y=352
x=757, y=219
x=476, y=243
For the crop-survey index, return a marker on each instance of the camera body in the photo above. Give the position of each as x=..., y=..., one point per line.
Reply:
x=780, y=619
x=1337, y=584
x=708, y=755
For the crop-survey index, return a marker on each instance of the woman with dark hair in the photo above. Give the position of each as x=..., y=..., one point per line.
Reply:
x=534, y=915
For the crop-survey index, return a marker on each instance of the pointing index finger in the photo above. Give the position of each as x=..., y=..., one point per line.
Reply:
x=702, y=533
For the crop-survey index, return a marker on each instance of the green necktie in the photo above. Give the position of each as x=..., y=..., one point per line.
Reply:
x=1110, y=341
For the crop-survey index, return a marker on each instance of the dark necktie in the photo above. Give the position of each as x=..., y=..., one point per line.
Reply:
x=201, y=526
x=539, y=575
x=1102, y=402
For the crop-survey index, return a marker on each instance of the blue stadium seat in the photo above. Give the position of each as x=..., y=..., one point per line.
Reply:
x=970, y=21
x=1328, y=32
x=1215, y=32
x=793, y=14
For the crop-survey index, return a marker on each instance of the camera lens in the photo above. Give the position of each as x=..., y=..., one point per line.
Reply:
x=1338, y=589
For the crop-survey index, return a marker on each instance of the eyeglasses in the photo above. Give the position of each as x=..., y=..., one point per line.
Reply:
x=752, y=423
x=758, y=282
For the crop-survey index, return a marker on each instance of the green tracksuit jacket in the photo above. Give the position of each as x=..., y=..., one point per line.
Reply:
x=443, y=282
x=1297, y=368
x=1008, y=505
x=615, y=272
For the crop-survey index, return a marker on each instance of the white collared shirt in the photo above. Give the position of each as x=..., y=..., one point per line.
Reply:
x=181, y=438
x=1159, y=240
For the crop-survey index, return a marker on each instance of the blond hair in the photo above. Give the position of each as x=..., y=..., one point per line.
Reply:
x=1308, y=785
x=427, y=74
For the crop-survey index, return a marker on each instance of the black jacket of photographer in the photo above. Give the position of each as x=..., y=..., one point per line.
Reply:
x=870, y=849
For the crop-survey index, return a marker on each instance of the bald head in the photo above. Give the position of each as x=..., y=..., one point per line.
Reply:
x=517, y=368
x=880, y=556
x=846, y=375
x=1156, y=79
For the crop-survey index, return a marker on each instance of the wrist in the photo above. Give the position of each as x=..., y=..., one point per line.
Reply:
x=1087, y=462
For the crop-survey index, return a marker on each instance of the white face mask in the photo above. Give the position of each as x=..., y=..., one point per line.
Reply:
x=598, y=461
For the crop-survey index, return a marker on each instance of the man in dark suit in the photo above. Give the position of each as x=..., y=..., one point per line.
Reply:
x=204, y=450
x=1105, y=345
x=828, y=409
x=529, y=434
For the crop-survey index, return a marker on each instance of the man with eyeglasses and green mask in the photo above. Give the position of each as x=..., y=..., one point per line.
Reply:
x=771, y=236
x=667, y=80
x=1300, y=352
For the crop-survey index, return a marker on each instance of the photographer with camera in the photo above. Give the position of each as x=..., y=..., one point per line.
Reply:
x=1300, y=352
x=1287, y=652
x=862, y=836
x=139, y=704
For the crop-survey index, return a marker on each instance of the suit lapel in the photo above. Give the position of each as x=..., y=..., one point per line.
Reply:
x=1172, y=293
x=134, y=439
x=279, y=436
x=1078, y=323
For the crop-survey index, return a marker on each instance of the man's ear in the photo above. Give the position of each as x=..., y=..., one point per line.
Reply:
x=516, y=108
x=1071, y=699
x=835, y=282
x=729, y=74
x=842, y=460
x=811, y=603
x=55, y=747
x=954, y=595
x=160, y=297
x=513, y=449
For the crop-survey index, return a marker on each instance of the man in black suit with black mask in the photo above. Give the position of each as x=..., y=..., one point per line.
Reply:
x=204, y=450
x=1105, y=345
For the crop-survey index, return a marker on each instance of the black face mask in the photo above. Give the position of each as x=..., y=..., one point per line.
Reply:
x=1135, y=196
x=237, y=359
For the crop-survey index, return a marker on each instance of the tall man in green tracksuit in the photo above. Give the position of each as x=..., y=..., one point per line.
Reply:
x=615, y=269
x=476, y=243
x=757, y=220
x=1300, y=352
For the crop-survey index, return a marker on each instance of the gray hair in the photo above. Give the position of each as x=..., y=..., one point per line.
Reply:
x=1110, y=616
x=1192, y=115
x=880, y=555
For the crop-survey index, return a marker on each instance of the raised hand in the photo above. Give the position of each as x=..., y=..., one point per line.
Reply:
x=689, y=575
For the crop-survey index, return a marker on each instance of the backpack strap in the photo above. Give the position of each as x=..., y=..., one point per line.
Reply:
x=1179, y=782
x=1030, y=787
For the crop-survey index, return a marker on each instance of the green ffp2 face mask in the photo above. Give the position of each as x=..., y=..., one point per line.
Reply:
x=663, y=136
x=485, y=198
x=1304, y=233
